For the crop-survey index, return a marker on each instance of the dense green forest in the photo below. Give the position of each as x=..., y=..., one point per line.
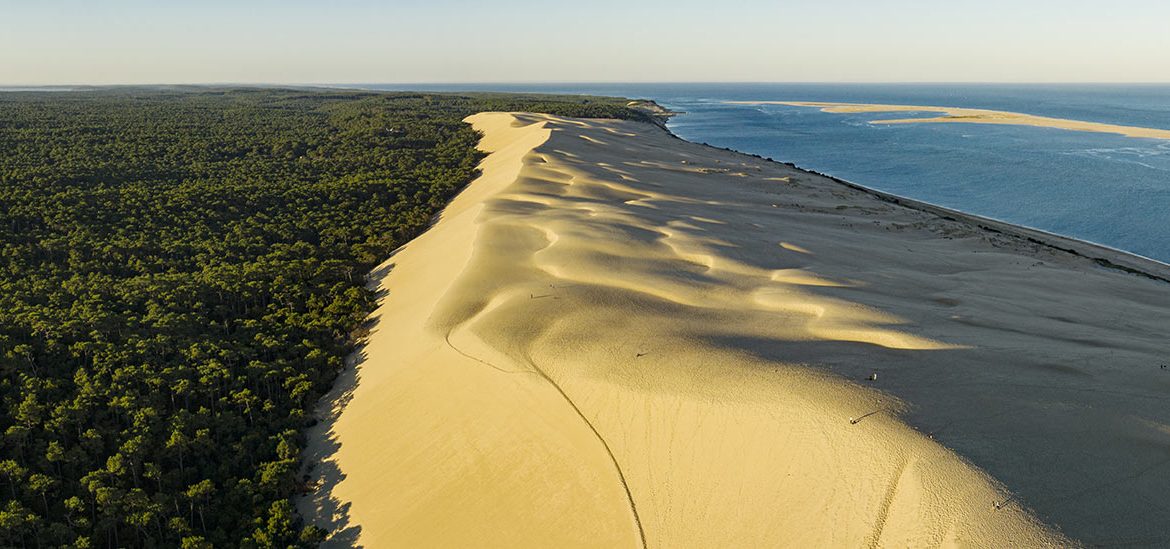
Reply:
x=181, y=279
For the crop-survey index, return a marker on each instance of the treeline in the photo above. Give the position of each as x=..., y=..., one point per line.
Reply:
x=181, y=277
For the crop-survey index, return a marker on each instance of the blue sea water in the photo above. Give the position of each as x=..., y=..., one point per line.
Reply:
x=1108, y=189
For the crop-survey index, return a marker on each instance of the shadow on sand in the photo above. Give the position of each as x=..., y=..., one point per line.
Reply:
x=321, y=473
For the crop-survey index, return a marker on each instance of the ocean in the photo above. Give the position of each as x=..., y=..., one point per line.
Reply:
x=1108, y=189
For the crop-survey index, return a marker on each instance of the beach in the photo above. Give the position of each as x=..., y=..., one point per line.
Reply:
x=617, y=338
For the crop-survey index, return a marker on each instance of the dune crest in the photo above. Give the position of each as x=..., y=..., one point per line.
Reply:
x=973, y=116
x=567, y=359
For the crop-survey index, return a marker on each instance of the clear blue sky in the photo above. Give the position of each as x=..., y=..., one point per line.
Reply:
x=296, y=41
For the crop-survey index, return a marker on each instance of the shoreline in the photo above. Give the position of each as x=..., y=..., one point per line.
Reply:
x=1104, y=255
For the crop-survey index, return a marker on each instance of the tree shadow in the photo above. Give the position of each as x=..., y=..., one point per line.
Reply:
x=321, y=473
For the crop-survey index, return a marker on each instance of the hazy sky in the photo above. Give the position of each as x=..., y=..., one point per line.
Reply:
x=350, y=41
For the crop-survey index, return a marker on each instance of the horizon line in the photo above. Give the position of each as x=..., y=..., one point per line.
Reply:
x=585, y=82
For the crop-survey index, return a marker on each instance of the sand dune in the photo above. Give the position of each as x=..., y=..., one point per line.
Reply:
x=974, y=116
x=615, y=338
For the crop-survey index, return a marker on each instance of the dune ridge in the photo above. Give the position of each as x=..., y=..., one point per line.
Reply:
x=617, y=338
x=972, y=116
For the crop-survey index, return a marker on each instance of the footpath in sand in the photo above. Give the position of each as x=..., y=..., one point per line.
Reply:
x=615, y=338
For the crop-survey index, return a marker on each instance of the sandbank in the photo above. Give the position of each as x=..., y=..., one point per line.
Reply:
x=972, y=116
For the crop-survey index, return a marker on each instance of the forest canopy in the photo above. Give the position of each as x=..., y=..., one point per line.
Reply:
x=182, y=276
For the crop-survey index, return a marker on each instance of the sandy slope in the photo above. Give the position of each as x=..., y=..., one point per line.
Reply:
x=974, y=116
x=617, y=338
